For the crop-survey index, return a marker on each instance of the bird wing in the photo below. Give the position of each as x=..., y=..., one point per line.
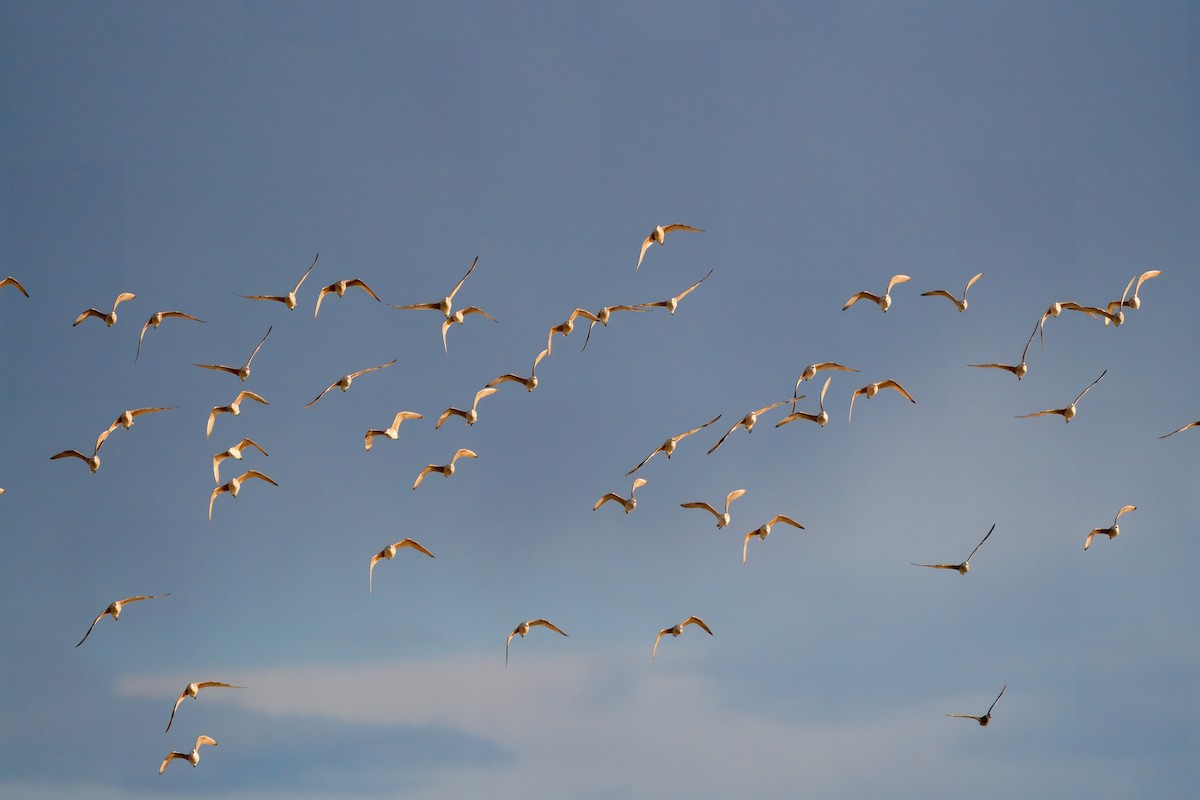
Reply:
x=1089, y=388
x=70, y=454
x=253, y=473
x=424, y=472
x=795, y=415
x=545, y=624
x=654, y=652
x=322, y=394
x=421, y=307
x=324, y=291
x=507, y=377
x=482, y=393
x=89, y=630
x=212, y=415
x=213, y=498
x=1029, y=342
x=637, y=484
x=247, y=442
x=936, y=566
x=644, y=460
x=860, y=296
x=941, y=293
x=415, y=546
x=692, y=288
x=445, y=327
x=243, y=395
x=182, y=695
x=734, y=495
x=1088, y=541
x=1123, y=510
x=746, y=545
x=1061, y=411
x=1154, y=273
x=171, y=756
x=965, y=716
x=581, y=312
x=447, y=414
x=357, y=282
x=371, y=572
x=181, y=315
x=264, y=297
x=372, y=369
x=14, y=282
x=506, y=644
x=91, y=312
x=1013, y=370
x=890, y=384
x=458, y=285
x=695, y=621
x=370, y=438
x=765, y=409
x=981, y=541
x=825, y=389
x=897, y=279
x=141, y=336
x=137, y=412
x=1184, y=428
x=260, y=344
x=300, y=282
x=477, y=310
x=678, y=227
x=649, y=240
x=853, y=397
x=217, y=459
x=786, y=521
x=705, y=506
x=722, y=439
x=606, y=498
x=696, y=429
x=104, y=434
x=971, y=283
x=122, y=297
x=997, y=700
x=463, y=453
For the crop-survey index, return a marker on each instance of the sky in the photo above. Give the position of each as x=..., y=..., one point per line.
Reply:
x=190, y=155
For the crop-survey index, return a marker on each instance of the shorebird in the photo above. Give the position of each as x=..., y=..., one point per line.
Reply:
x=155, y=320
x=668, y=447
x=659, y=234
x=446, y=303
x=1184, y=428
x=456, y=318
x=11, y=281
x=811, y=371
x=448, y=469
x=1056, y=310
x=243, y=371
x=114, y=608
x=765, y=531
x=529, y=383
x=986, y=718
x=568, y=326
x=747, y=422
x=339, y=288
x=965, y=566
x=676, y=630
x=603, y=316
x=960, y=304
x=1112, y=532
x=289, y=299
x=884, y=302
x=93, y=461
x=722, y=519
x=523, y=629
x=629, y=504
x=233, y=452
x=193, y=689
x=392, y=432
x=872, y=389
x=110, y=318
x=1134, y=302
x=470, y=416
x=192, y=758
x=126, y=420
x=672, y=303
x=234, y=408
x=344, y=382
x=1067, y=413
x=820, y=418
x=1020, y=370
x=389, y=553
x=234, y=486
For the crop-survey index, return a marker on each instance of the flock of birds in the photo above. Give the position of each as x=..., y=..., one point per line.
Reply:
x=1112, y=313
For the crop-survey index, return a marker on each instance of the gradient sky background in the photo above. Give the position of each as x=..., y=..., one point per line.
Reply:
x=193, y=154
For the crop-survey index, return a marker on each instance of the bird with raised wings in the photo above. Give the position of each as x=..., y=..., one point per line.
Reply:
x=668, y=447
x=288, y=299
x=659, y=234
x=884, y=302
x=344, y=382
x=523, y=629
x=234, y=408
x=961, y=305
x=393, y=432
x=457, y=318
x=446, y=469
x=748, y=422
x=529, y=383
x=820, y=419
x=114, y=610
x=110, y=318
x=675, y=630
x=93, y=461
x=155, y=320
x=127, y=417
x=388, y=553
x=1020, y=370
x=193, y=689
x=446, y=303
x=872, y=389
x=1067, y=413
x=471, y=415
x=1133, y=302
x=722, y=518
x=565, y=328
x=339, y=288
x=603, y=316
x=671, y=303
x=986, y=718
x=1056, y=309
x=965, y=566
x=628, y=503
x=234, y=452
x=234, y=486
x=192, y=758
x=1112, y=532
x=764, y=531
x=243, y=371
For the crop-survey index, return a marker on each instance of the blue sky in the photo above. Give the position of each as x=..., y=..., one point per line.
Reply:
x=192, y=155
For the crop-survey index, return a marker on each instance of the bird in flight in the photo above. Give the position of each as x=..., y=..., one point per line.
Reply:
x=811, y=371
x=114, y=608
x=565, y=328
x=1134, y=302
x=457, y=317
x=670, y=304
x=192, y=758
x=986, y=718
x=659, y=234
x=603, y=316
x=11, y=281
x=446, y=303
x=748, y=422
x=93, y=461
x=234, y=486
x=960, y=304
x=529, y=383
x=193, y=689
x=472, y=414
x=523, y=629
x=110, y=318
x=884, y=302
x=1112, y=532
x=820, y=418
x=234, y=408
x=234, y=452
x=765, y=531
x=629, y=504
x=965, y=566
x=339, y=288
x=722, y=519
x=1056, y=310
x=872, y=389
x=1184, y=428
x=243, y=371
x=447, y=469
x=1067, y=413
x=126, y=420
x=388, y=553
x=289, y=299
x=1020, y=370
x=668, y=447
x=344, y=382
x=675, y=630
x=155, y=320
x=394, y=431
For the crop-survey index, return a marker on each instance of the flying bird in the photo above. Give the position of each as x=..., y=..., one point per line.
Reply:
x=457, y=317
x=234, y=452
x=1134, y=302
x=339, y=288
x=193, y=689
x=965, y=566
x=529, y=383
x=1020, y=370
x=523, y=629
x=659, y=234
x=446, y=303
x=1179, y=430
x=11, y=281
x=110, y=318
x=394, y=431
x=114, y=608
x=568, y=326
x=192, y=758
x=447, y=470
x=603, y=316
x=1056, y=309
x=1112, y=532
x=155, y=320
x=676, y=630
x=765, y=531
x=872, y=389
x=289, y=299
x=722, y=519
x=748, y=422
x=344, y=382
x=820, y=418
x=986, y=718
x=234, y=486
x=884, y=302
x=234, y=408
x=630, y=504
x=811, y=371
x=672, y=303
x=1067, y=413
x=960, y=304
x=472, y=415
x=668, y=447
x=126, y=420
x=389, y=553
x=93, y=461
x=243, y=371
